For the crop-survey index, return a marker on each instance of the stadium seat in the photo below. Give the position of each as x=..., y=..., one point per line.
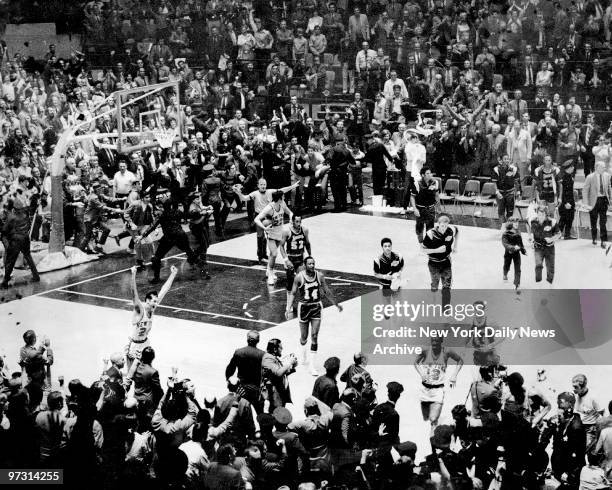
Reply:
x=523, y=203
x=487, y=196
x=472, y=188
x=451, y=189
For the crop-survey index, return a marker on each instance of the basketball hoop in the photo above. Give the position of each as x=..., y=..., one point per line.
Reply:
x=164, y=138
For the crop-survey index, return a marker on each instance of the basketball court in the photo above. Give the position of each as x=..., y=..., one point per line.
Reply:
x=86, y=310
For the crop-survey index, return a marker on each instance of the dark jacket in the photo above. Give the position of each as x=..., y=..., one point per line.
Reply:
x=16, y=226
x=326, y=390
x=386, y=414
x=247, y=360
x=222, y=477
x=243, y=426
x=147, y=387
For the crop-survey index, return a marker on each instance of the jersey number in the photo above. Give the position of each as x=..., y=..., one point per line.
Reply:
x=297, y=244
x=311, y=292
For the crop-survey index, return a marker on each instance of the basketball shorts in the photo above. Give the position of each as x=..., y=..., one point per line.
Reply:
x=431, y=394
x=309, y=311
x=134, y=347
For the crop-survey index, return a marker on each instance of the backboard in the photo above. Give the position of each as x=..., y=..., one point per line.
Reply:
x=146, y=100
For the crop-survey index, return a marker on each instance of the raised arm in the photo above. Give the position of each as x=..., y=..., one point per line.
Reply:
x=167, y=285
x=135, y=298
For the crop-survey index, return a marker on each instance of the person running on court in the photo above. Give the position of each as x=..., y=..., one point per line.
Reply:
x=431, y=365
x=513, y=248
x=311, y=286
x=439, y=243
x=260, y=199
x=544, y=233
x=174, y=236
x=271, y=221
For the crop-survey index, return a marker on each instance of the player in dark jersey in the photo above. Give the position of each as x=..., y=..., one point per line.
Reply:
x=295, y=241
x=388, y=266
x=311, y=286
x=439, y=243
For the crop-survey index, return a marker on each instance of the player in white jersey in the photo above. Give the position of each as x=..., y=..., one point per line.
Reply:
x=431, y=365
x=260, y=199
x=142, y=319
x=271, y=220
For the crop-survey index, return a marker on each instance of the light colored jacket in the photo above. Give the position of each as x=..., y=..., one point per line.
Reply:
x=590, y=192
x=519, y=146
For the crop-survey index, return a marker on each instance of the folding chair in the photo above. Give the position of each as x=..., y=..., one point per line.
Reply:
x=472, y=188
x=526, y=199
x=487, y=196
x=439, y=204
x=451, y=189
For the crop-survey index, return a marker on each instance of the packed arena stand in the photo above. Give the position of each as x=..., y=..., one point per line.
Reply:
x=300, y=97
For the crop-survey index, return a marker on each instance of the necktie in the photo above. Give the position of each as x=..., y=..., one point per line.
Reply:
x=587, y=134
x=601, y=187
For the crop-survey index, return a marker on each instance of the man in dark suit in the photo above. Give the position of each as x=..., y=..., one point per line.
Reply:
x=221, y=474
x=325, y=388
x=226, y=104
x=342, y=426
x=569, y=443
x=247, y=360
x=216, y=45
x=243, y=426
x=147, y=388
x=589, y=134
x=375, y=155
x=386, y=414
x=294, y=111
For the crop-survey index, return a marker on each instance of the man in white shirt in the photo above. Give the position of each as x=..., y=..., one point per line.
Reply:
x=122, y=181
x=415, y=155
x=364, y=59
x=589, y=409
x=394, y=80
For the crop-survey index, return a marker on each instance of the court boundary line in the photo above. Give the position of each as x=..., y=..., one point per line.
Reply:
x=42, y=293
x=168, y=307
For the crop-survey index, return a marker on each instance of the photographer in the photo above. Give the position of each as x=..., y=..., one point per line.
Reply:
x=275, y=374
x=175, y=414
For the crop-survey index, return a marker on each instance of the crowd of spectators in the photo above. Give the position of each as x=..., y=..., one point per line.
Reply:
x=525, y=79
x=164, y=435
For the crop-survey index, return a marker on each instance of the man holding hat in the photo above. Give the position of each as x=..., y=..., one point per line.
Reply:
x=16, y=232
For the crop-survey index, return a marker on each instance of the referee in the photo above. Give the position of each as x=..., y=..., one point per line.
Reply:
x=424, y=195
